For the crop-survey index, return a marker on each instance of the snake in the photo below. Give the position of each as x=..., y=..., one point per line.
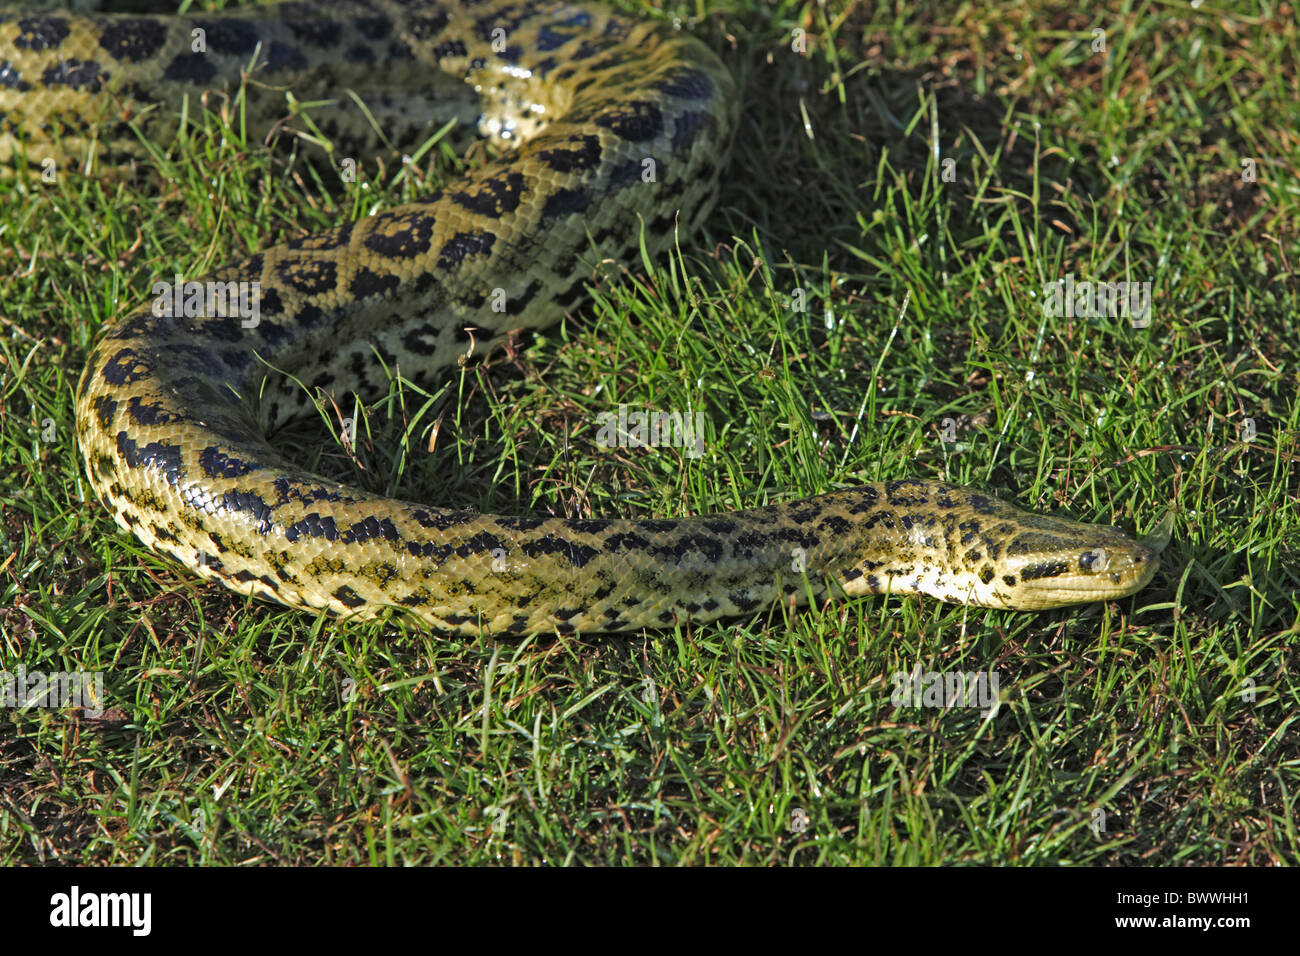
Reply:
x=606, y=136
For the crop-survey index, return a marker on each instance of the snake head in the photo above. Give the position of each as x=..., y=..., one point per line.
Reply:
x=1047, y=566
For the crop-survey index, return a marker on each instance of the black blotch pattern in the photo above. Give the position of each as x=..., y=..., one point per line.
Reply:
x=686, y=129
x=226, y=36
x=143, y=414
x=442, y=520
x=313, y=526
x=448, y=49
x=864, y=500
x=495, y=196
x=627, y=541
x=349, y=597
x=276, y=335
x=308, y=276
x=549, y=39
x=587, y=525
x=166, y=458
x=565, y=202
x=162, y=534
x=482, y=543
x=1044, y=569
x=636, y=122
x=836, y=525
x=285, y=56
x=684, y=82
x=251, y=504
x=217, y=464
x=404, y=237
x=579, y=154
x=77, y=74
x=105, y=409
x=902, y=494
x=10, y=80
x=190, y=68
x=422, y=340
x=366, y=283
x=373, y=28
x=41, y=33
x=438, y=553
x=125, y=367
x=133, y=39
x=578, y=554
x=625, y=174
x=690, y=544
x=463, y=245
x=310, y=316
x=370, y=529
x=304, y=491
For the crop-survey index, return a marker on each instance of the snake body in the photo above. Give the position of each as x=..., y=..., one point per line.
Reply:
x=172, y=410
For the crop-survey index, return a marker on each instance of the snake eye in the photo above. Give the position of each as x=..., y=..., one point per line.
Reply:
x=1093, y=562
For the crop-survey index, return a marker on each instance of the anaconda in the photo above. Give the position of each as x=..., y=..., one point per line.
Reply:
x=175, y=403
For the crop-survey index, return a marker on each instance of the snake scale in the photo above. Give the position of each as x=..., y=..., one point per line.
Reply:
x=173, y=410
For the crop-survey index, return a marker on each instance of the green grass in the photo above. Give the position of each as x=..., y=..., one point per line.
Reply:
x=243, y=733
